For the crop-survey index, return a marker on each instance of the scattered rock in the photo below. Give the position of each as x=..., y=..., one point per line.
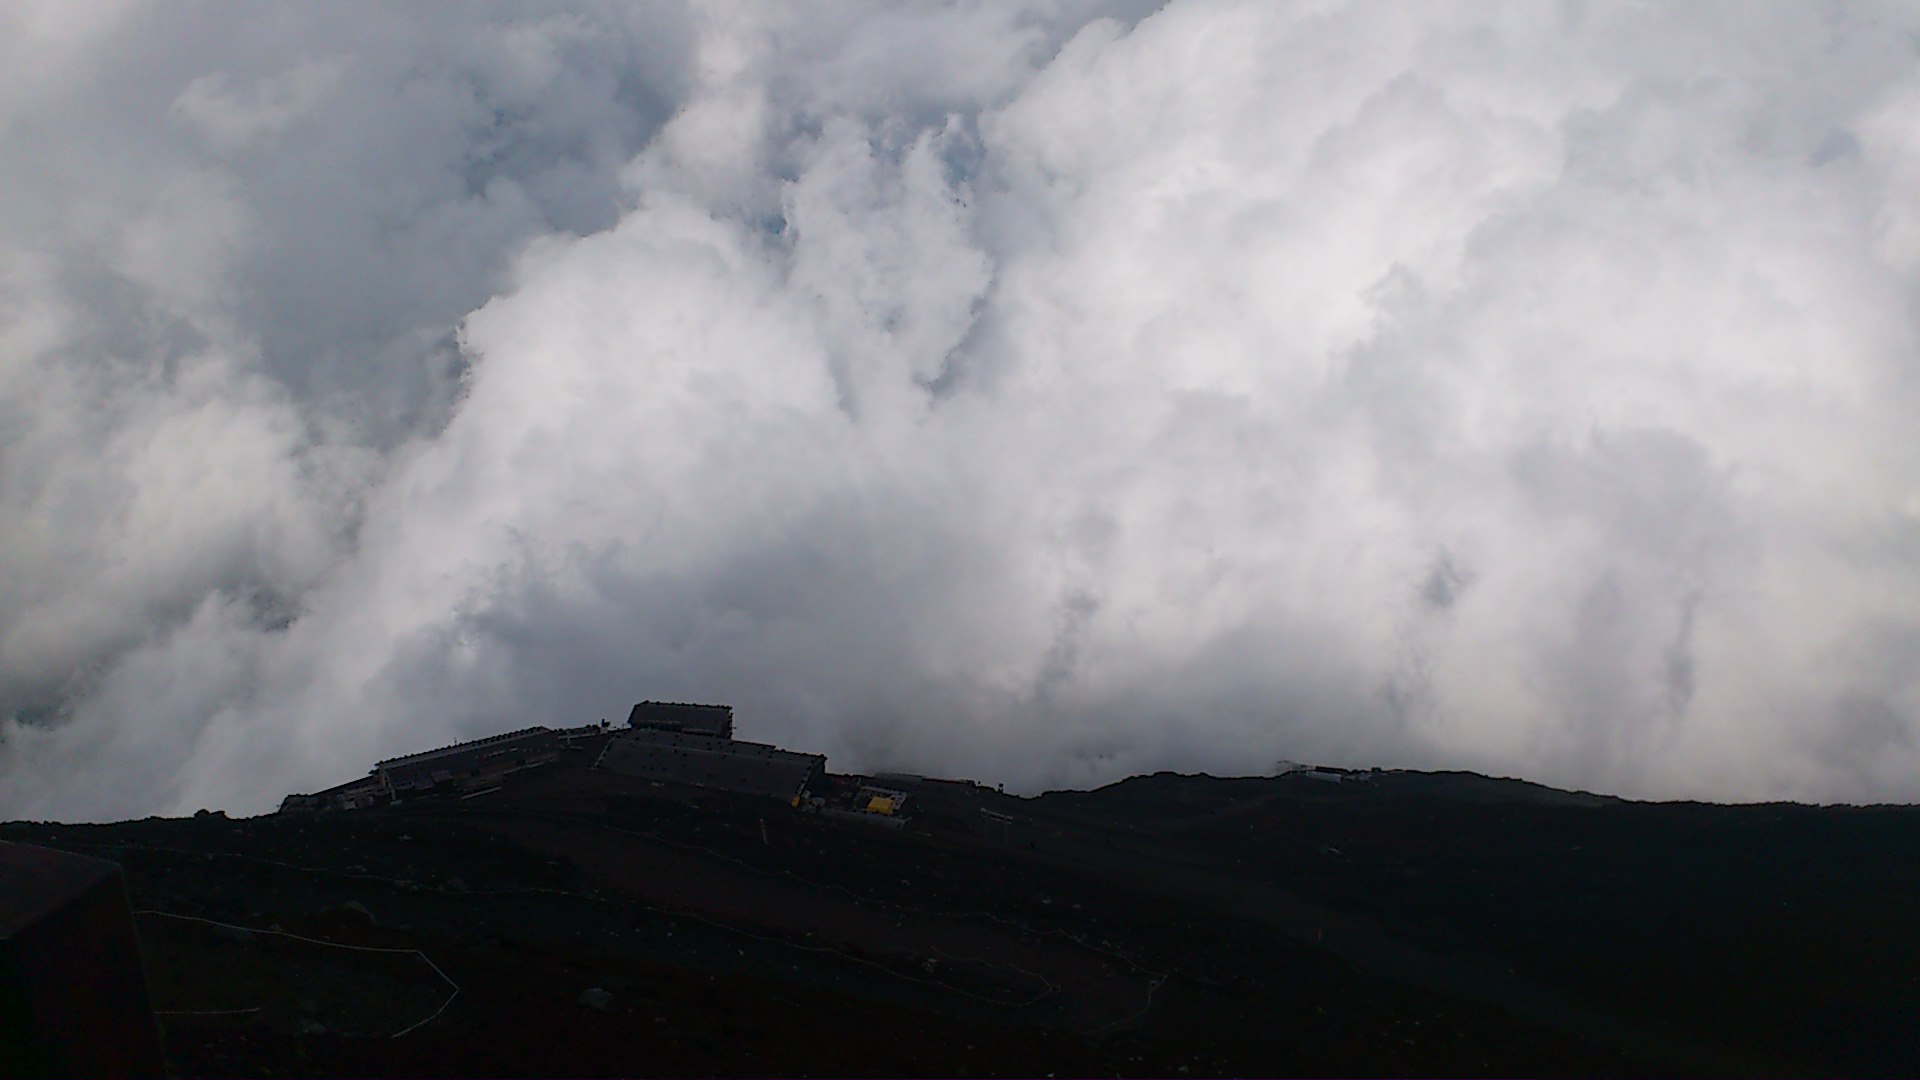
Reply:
x=360, y=908
x=596, y=998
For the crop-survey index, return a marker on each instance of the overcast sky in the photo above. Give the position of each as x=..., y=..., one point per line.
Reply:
x=1040, y=393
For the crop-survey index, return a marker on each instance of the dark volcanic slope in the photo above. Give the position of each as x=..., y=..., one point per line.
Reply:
x=1167, y=925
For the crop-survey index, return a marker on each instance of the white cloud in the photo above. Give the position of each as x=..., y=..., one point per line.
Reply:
x=1034, y=396
x=230, y=119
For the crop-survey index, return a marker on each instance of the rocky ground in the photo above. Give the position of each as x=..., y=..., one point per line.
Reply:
x=1435, y=924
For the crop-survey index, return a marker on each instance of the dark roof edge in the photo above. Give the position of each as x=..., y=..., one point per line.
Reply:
x=509, y=736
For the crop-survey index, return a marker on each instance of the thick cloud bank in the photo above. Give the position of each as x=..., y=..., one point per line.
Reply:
x=1043, y=396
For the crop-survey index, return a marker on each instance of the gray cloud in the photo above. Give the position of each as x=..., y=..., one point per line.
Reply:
x=1020, y=393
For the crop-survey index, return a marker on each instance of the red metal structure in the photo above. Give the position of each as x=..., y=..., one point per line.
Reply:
x=73, y=1000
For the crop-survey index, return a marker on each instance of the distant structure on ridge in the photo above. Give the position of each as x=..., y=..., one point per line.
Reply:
x=665, y=744
x=674, y=743
x=714, y=720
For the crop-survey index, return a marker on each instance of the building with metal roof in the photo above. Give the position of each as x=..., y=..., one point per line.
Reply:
x=697, y=760
x=479, y=763
x=715, y=720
